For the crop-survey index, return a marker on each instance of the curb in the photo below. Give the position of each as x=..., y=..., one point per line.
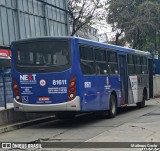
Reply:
x=11, y=127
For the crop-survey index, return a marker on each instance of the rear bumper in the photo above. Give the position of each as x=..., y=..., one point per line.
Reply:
x=73, y=105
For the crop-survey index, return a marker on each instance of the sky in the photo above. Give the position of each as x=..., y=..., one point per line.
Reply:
x=102, y=26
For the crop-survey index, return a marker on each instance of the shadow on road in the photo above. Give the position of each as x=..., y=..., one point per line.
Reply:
x=83, y=120
x=127, y=109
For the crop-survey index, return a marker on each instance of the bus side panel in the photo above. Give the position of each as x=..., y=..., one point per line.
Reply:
x=132, y=89
x=77, y=69
x=136, y=86
x=142, y=83
x=94, y=91
x=107, y=85
x=87, y=85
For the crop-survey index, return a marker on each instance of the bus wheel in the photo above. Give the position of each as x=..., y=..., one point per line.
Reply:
x=65, y=115
x=142, y=104
x=112, y=107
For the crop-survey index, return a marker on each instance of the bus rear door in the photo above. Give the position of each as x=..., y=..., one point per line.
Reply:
x=124, y=78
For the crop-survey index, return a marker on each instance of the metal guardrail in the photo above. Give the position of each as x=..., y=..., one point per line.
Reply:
x=6, y=94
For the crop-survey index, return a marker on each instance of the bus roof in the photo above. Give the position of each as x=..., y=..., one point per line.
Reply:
x=41, y=38
x=90, y=42
x=119, y=48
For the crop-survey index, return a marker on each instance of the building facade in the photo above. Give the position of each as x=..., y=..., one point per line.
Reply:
x=21, y=19
x=88, y=32
x=103, y=37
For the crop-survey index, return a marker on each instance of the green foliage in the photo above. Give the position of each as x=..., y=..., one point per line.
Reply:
x=138, y=19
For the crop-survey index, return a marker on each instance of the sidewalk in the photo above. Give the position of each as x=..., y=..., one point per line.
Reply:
x=11, y=120
x=22, y=124
x=145, y=128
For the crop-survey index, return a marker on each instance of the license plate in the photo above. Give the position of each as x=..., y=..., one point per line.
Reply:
x=43, y=98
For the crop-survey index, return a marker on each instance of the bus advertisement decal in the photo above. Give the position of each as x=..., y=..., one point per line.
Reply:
x=43, y=98
x=42, y=82
x=57, y=90
x=134, y=87
x=26, y=90
x=25, y=99
x=107, y=86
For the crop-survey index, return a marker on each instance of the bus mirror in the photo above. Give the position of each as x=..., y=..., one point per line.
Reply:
x=105, y=71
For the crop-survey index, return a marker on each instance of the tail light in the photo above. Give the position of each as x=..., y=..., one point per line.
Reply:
x=16, y=91
x=72, y=88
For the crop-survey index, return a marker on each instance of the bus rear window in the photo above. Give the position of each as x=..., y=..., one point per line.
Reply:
x=48, y=54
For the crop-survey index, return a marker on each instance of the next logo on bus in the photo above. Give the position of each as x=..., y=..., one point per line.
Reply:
x=31, y=77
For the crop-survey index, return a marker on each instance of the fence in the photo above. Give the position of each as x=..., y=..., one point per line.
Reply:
x=6, y=95
x=156, y=66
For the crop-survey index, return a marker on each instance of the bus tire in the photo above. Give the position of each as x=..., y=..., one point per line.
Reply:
x=142, y=103
x=112, y=106
x=65, y=115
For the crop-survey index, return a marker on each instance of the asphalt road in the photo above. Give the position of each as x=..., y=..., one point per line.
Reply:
x=92, y=128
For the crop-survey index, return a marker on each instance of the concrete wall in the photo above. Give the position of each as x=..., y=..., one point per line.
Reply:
x=156, y=85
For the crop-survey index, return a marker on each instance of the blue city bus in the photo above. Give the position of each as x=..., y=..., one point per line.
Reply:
x=70, y=75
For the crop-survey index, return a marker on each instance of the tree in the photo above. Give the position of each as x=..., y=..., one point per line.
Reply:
x=83, y=12
x=120, y=15
x=150, y=22
x=138, y=19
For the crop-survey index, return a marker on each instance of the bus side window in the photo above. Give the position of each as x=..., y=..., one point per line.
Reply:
x=144, y=65
x=138, y=64
x=87, y=60
x=101, y=62
x=131, y=66
x=112, y=62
